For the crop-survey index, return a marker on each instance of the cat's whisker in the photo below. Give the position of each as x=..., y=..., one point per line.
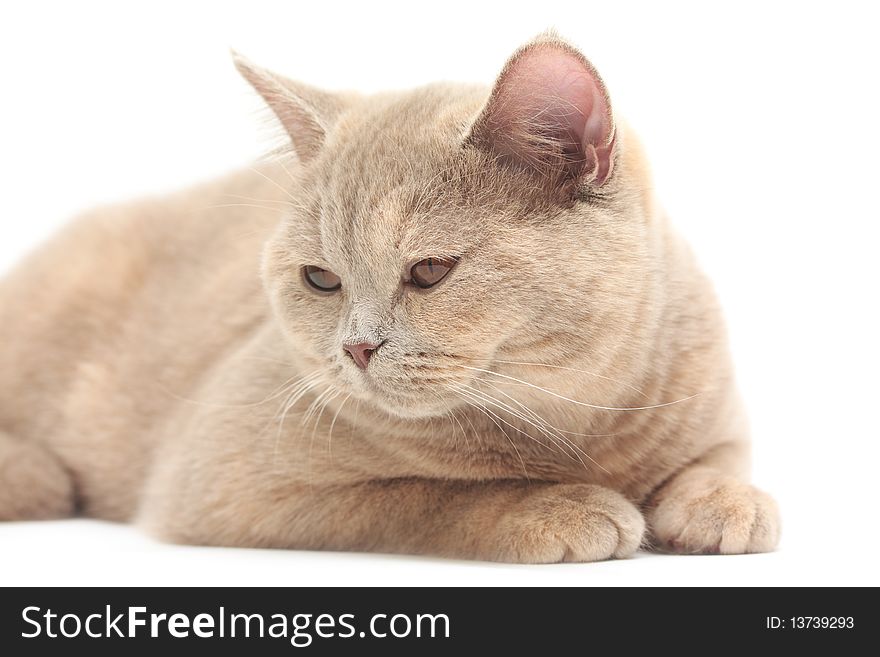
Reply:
x=489, y=414
x=488, y=399
x=280, y=162
x=559, y=367
x=314, y=406
x=292, y=390
x=294, y=395
x=474, y=432
x=328, y=396
x=446, y=413
x=451, y=414
x=299, y=390
x=577, y=402
x=333, y=424
x=289, y=386
x=284, y=389
x=495, y=387
x=527, y=415
x=479, y=401
x=567, y=441
x=275, y=183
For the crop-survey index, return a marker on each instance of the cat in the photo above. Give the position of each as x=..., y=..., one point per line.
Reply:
x=452, y=321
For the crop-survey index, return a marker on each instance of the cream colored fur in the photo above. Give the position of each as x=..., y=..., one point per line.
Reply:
x=163, y=363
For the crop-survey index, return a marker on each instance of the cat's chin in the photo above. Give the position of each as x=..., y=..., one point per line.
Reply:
x=405, y=407
x=406, y=410
x=410, y=414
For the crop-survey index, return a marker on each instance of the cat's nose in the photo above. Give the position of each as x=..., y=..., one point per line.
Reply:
x=361, y=352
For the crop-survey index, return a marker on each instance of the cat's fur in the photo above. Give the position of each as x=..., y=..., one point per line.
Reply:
x=152, y=370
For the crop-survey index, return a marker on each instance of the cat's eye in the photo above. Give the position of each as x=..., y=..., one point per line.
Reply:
x=322, y=280
x=430, y=271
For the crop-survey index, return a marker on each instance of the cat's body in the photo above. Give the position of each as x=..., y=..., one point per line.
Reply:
x=150, y=370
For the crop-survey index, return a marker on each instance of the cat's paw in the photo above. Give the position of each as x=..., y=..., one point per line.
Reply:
x=706, y=512
x=34, y=485
x=569, y=523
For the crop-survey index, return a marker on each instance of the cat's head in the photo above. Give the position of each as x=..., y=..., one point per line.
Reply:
x=446, y=232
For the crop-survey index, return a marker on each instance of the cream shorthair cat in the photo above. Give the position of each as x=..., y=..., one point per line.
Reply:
x=451, y=321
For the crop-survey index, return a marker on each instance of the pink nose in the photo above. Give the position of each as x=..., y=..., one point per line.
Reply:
x=361, y=352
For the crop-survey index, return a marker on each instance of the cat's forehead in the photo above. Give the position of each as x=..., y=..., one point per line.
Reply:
x=394, y=143
x=388, y=178
x=390, y=226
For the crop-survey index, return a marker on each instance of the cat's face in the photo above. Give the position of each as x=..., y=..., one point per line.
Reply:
x=427, y=245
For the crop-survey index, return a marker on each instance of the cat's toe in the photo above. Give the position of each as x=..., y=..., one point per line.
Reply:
x=715, y=515
x=570, y=523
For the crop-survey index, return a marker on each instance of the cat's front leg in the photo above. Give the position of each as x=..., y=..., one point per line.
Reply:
x=509, y=521
x=705, y=510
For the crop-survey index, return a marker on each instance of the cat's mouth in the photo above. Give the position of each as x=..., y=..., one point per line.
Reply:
x=412, y=385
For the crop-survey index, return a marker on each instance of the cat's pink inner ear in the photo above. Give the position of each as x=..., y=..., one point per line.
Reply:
x=549, y=110
x=302, y=110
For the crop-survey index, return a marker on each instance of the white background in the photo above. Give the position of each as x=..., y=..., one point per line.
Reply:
x=762, y=123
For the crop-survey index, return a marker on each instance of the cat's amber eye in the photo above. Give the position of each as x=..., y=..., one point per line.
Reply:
x=322, y=280
x=430, y=271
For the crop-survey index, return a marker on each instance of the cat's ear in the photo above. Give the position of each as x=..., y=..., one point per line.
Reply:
x=305, y=112
x=549, y=112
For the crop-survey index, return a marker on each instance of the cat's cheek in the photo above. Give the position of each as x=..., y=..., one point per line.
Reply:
x=309, y=321
x=456, y=311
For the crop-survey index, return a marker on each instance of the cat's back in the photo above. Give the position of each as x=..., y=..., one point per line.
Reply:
x=128, y=308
